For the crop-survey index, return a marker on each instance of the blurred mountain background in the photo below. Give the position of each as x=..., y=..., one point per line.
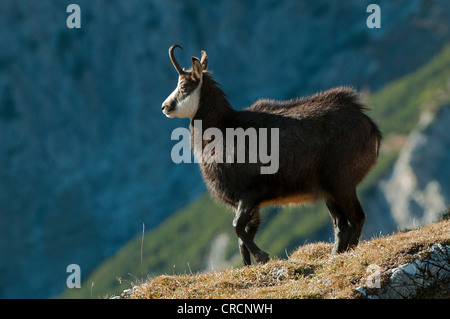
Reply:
x=85, y=150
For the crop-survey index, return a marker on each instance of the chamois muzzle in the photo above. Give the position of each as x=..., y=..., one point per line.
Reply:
x=168, y=107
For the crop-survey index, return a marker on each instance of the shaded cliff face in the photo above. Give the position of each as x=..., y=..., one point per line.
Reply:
x=418, y=189
x=84, y=148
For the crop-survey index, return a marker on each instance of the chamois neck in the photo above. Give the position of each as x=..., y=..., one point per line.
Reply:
x=214, y=106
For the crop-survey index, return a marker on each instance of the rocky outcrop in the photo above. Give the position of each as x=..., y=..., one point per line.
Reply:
x=429, y=271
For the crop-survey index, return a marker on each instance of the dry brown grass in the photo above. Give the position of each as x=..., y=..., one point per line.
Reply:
x=309, y=272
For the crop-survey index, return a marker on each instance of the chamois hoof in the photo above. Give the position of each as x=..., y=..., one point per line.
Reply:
x=262, y=258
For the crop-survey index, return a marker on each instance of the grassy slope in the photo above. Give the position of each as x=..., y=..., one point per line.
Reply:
x=308, y=273
x=174, y=246
x=181, y=242
x=179, y=246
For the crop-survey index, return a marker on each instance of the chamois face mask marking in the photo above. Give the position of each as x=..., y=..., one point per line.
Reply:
x=186, y=103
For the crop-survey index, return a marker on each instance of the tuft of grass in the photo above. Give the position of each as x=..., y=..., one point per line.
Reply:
x=309, y=272
x=446, y=214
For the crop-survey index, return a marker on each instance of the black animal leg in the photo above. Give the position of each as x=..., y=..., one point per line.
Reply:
x=251, y=229
x=356, y=218
x=348, y=220
x=245, y=227
x=340, y=225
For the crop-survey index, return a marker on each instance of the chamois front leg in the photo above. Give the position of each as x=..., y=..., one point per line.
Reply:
x=245, y=225
x=251, y=229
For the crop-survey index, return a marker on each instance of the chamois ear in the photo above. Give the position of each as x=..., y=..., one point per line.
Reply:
x=197, y=70
x=204, y=61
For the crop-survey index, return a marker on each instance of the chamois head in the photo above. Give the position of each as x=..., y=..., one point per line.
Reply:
x=184, y=100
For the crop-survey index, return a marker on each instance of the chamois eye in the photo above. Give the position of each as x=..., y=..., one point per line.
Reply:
x=183, y=87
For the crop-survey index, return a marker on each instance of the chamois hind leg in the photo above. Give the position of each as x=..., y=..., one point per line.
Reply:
x=251, y=229
x=356, y=218
x=348, y=220
x=340, y=226
x=245, y=225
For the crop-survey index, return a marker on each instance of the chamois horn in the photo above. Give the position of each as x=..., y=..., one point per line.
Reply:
x=174, y=61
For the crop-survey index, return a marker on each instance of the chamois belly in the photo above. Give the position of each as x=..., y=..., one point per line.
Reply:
x=291, y=199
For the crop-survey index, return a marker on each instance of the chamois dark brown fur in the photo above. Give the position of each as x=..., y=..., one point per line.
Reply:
x=327, y=144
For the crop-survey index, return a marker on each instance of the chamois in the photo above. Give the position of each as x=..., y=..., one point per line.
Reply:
x=326, y=147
